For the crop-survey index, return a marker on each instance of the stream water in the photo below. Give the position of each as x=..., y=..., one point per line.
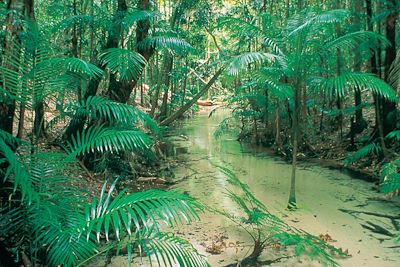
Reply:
x=331, y=202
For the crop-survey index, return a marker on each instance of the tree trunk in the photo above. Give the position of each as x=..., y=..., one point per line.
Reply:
x=18, y=10
x=292, y=203
x=169, y=62
x=360, y=124
x=118, y=90
x=389, y=108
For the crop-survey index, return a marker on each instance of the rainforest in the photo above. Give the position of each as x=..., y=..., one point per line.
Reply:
x=196, y=133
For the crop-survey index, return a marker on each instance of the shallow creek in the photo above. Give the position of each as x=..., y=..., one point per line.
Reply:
x=322, y=194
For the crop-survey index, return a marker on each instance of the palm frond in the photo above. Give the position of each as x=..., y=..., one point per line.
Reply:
x=394, y=135
x=242, y=62
x=18, y=175
x=129, y=213
x=138, y=15
x=171, y=43
x=352, y=40
x=268, y=42
x=125, y=64
x=368, y=150
x=340, y=86
x=11, y=140
x=102, y=139
x=394, y=73
x=169, y=250
x=303, y=22
x=235, y=181
x=113, y=112
x=78, y=66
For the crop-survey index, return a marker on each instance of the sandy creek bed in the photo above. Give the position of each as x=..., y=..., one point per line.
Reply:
x=321, y=193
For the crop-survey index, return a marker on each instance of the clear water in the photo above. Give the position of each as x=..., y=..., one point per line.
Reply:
x=321, y=193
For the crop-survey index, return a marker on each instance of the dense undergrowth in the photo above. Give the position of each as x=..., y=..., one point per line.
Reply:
x=87, y=89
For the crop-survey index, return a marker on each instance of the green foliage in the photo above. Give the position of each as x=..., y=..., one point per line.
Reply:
x=368, y=150
x=109, y=139
x=75, y=20
x=135, y=16
x=340, y=86
x=125, y=64
x=304, y=24
x=98, y=107
x=394, y=135
x=21, y=179
x=25, y=76
x=243, y=61
x=77, y=66
x=167, y=42
x=353, y=40
x=48, y=212
x=390, y=177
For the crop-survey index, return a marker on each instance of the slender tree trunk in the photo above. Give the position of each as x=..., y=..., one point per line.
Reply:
x=389, y=114
x=168, y=65
x=360, y=124
x=18, y=11
x=292, y=203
